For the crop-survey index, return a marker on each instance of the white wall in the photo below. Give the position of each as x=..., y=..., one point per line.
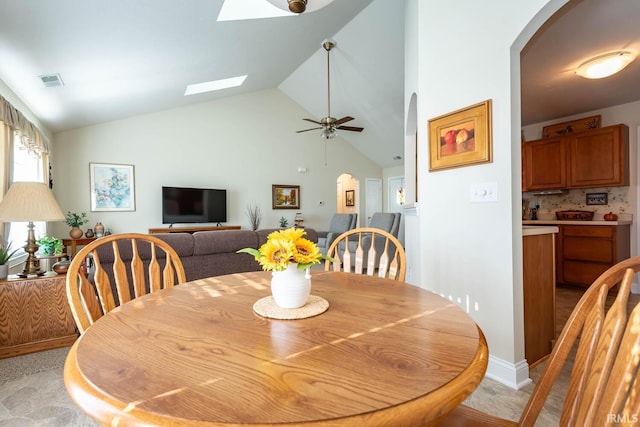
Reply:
x=244, y=144
x=468, y=52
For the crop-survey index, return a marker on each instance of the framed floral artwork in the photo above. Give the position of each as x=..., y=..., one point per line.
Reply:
x=112, y=187
x=461, y=138
x=285, y=196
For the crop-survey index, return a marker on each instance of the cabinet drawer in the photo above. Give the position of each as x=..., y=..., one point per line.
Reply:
x=588, y=230
x=583, y=273
x=588, y=249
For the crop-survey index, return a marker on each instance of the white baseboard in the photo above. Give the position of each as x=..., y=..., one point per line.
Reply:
x=515, y=376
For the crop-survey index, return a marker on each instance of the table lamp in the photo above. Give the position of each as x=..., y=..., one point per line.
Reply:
x=28, y=202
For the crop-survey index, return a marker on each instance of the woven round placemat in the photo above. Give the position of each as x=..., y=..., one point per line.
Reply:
x=267, y=307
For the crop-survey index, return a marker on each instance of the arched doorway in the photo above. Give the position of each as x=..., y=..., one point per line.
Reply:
x=348, y=194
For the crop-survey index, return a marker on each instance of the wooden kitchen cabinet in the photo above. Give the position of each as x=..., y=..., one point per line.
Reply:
x=599, y=158
x=544, y=164
x=586, y=251
x=34, y=315
x=593, y=158
x=538, y=256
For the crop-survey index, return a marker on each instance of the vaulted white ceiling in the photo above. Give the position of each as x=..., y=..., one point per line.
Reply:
x=120, y=58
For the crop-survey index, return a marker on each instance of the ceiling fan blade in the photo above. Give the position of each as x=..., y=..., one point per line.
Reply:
x=313, y=121
x=306, y=130
x=343, y=120
x=352, y=128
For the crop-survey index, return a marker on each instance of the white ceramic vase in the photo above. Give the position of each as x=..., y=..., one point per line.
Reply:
x=4, y=271
x=290, y=288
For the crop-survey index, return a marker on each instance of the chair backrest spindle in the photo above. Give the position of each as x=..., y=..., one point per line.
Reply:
x=374, y=252
x=91, y=296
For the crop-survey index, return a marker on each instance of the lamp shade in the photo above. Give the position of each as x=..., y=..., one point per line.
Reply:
x=30, y=201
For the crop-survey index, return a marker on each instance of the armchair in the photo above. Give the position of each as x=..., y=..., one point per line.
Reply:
x=339, y=224
x=386, y=221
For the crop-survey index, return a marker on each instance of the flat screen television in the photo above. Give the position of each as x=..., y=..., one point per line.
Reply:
x=193, y=205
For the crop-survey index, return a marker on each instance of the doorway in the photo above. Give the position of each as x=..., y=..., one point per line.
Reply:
x=347, y=194
x=374, y=198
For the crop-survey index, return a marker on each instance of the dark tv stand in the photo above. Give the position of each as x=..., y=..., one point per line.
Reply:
x=193, y=229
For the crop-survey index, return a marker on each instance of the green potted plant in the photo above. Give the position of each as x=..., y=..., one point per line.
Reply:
x=5, y=255
x=50, y=246
x=74, y=221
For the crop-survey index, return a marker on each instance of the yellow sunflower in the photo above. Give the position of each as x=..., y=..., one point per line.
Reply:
x=291, y=234
x=276, y=254
x=284, y=247
x=306, y=252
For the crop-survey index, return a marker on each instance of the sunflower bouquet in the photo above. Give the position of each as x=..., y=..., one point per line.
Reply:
x=284, y=247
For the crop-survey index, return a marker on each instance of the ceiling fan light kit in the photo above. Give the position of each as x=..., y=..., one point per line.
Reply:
x=604, y=65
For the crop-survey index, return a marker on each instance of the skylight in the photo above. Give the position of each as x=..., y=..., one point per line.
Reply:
x=235, y=10
x=214, y=85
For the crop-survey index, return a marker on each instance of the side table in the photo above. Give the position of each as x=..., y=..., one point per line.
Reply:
x=35, y=315
x=74, y=243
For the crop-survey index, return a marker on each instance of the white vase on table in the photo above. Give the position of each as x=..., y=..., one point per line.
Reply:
x=290, y=288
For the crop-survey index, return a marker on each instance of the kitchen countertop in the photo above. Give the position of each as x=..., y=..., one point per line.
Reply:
x=534, y=230
x=557, y=222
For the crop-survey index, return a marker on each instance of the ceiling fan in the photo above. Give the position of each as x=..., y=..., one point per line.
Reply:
x=330, y=125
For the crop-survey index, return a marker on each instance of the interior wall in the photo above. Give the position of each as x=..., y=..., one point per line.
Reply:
x=243, y=144
x=471, y=252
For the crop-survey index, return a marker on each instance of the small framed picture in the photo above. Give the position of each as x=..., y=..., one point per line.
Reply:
x=285, y=196
x=112, y=187
x=597, y=198
x=350, y=197
x=461, y=138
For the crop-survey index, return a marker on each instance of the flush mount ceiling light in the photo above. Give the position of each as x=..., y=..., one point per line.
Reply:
x=214, y=85
x=299, y=6
x=604, y=65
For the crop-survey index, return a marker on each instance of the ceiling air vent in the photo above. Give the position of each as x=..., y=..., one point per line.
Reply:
x=51, y=80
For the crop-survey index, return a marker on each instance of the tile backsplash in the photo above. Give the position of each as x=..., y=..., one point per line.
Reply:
x=577, y=200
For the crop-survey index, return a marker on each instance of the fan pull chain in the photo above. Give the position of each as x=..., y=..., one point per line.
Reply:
x=325, y=152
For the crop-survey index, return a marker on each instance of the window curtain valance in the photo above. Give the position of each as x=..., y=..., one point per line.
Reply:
x=31, y=138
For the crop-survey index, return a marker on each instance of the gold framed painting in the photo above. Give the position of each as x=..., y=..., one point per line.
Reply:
x=285, y=196
x=461, y=138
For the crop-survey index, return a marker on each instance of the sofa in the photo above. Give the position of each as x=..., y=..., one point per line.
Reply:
x=206, y=253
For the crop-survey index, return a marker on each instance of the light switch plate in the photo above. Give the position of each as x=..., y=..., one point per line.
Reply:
x=483, y=192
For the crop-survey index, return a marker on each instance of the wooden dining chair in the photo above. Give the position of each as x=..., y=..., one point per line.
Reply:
x=138, y=264
x=604, y=387
x=377, y=250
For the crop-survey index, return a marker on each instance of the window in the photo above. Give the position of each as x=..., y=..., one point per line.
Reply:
x=26, y=167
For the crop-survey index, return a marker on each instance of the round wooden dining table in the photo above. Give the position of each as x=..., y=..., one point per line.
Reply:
x=384, y=353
